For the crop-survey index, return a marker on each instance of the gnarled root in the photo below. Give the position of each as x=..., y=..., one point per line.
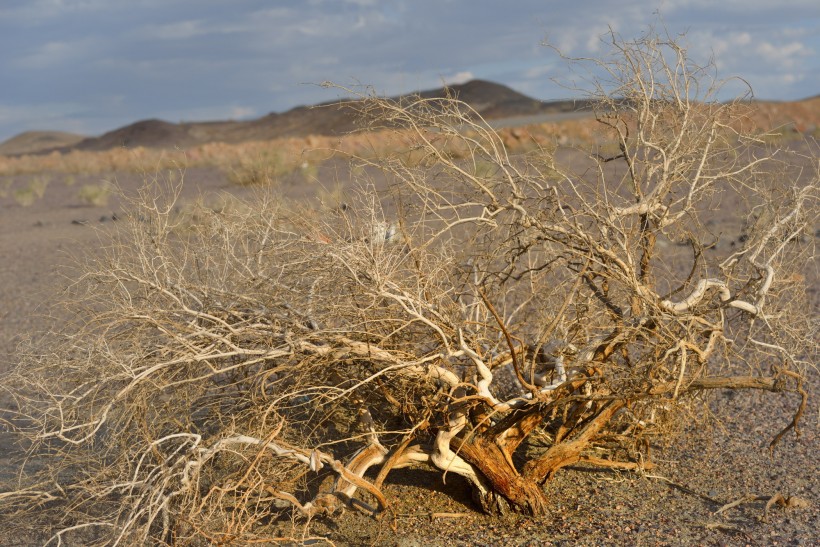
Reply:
x=507, y=484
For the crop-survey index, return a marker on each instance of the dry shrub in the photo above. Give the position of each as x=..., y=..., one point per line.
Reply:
x=269, y=167
x=263, y=359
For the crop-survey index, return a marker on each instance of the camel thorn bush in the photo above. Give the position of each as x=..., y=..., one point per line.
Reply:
x=272, y=359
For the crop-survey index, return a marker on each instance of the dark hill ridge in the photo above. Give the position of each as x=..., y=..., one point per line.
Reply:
x=491, y=100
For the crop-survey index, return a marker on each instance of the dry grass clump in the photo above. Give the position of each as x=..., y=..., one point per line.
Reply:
x=261, y=361
x=261, y=163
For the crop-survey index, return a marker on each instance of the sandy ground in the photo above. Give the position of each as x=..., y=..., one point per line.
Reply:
x=676, y=505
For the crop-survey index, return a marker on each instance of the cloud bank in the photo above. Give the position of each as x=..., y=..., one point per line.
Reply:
x=93, y=65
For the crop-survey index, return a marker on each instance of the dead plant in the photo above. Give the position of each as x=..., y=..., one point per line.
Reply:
x=217, y=374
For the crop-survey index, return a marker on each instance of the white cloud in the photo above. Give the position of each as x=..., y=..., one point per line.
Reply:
x=745, y=6
x=539, y=71
x=770, y=59
x=786, y=55
x=46, y=116
x=458, y=78
x=219, y=112
x=164, y=56
x=181, y=30
x=724, y=45
x=757, y=50
x=51, y=54
x=34, y=11
x=596, y=34
x=238, y=112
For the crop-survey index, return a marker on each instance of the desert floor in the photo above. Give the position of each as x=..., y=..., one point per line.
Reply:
x=674, y=505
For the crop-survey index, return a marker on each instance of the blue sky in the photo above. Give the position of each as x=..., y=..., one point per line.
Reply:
x=89, y=66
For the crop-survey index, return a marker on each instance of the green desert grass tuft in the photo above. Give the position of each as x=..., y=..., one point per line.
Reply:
x=5, y=184
x=35, y=189
x=95, y=194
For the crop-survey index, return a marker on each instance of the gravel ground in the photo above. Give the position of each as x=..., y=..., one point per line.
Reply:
x=674, y=505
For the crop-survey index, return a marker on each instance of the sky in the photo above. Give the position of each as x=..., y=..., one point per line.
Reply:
x=90, y=66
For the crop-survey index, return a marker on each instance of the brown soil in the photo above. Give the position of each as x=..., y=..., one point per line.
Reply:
x=674, y=505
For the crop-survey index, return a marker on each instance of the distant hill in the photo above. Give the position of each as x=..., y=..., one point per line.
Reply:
x=32, y=142
x=496, y=103
x=493, y=101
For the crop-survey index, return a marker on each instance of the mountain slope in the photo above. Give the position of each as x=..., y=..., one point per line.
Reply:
x=491, y=100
